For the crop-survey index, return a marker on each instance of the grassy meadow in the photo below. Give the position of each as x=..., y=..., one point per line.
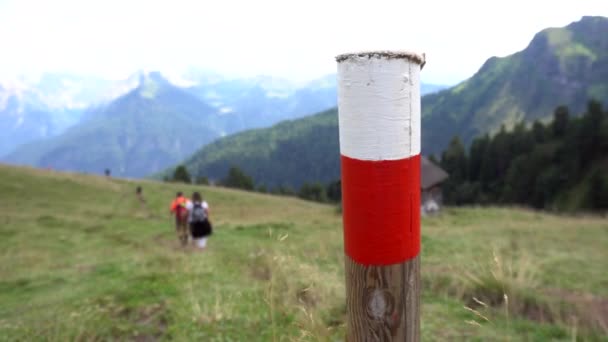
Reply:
x=81, y=259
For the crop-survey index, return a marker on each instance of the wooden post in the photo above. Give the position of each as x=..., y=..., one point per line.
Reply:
x=379, y=120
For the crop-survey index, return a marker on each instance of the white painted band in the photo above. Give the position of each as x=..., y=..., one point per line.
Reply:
x=379, y=108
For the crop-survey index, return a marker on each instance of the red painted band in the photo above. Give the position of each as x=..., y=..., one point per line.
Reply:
x=381, y=209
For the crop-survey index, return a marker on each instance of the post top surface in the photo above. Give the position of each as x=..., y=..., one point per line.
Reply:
x=412, y=56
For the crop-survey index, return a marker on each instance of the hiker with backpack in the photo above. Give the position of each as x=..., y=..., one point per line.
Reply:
x=198, y=217
x=178, y=208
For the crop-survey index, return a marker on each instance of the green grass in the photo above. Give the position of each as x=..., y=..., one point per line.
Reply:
x=81, y=259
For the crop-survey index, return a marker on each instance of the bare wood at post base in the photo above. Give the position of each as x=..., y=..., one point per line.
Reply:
x=383, y=301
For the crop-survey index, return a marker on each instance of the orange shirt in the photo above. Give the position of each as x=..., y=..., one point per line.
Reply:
x=178, y=202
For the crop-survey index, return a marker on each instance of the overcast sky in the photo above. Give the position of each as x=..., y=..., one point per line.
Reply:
x=293, y=39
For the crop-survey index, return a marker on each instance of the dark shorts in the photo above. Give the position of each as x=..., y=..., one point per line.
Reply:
x=200, y=229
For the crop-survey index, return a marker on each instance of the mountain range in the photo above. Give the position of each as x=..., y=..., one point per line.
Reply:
x=148, y=128
x=561, y=66
x=157, y=122
x=152, y=124
x=262, y=101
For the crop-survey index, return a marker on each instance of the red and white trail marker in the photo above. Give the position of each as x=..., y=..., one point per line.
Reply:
x=379, y=123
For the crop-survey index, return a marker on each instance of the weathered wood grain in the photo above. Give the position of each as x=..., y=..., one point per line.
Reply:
x=383, y=302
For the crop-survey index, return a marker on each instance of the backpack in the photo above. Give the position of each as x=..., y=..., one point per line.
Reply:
x=181, y=213
x=198, y=213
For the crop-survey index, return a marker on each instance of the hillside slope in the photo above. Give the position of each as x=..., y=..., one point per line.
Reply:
x=289, y=153
x=560, y=66
x=84, y=260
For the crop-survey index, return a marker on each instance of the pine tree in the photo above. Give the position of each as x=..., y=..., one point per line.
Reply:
x=313, y=192
x=202, y=180
x=236, y=178
x=181, y=174
x=454, y=162
x=598, y=191
x=538, y=131
x=476, y=155
x=334, y=191
x=561, y=117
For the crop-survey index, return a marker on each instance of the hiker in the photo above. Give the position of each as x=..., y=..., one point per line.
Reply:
x=178, y=208
x=139, y=194
x=198, y=217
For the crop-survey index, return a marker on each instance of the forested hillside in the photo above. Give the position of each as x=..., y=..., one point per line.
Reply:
x=288, y=154
x=560, y=165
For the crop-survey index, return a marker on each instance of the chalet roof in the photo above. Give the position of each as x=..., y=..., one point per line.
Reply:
x=431, y=174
